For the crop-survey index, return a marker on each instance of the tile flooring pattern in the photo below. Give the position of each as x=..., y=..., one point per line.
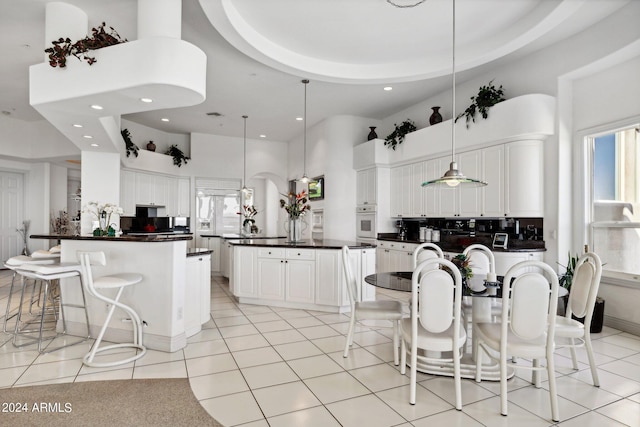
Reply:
x=268, y=366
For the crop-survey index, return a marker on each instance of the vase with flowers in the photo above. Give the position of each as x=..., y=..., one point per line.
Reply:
x=249, y=223
x=102, y=225
x=296, y=206
x=462, y=262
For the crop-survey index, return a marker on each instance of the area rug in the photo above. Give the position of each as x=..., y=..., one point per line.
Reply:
x=150, y=402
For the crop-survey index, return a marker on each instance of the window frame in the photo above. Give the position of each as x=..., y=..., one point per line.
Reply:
x=585, y=201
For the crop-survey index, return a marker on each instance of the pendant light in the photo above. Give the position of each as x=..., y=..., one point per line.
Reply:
x=305, y=178
x=244, y=170
x=453, y=177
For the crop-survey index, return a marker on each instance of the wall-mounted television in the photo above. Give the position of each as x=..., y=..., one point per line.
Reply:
x=316, y=188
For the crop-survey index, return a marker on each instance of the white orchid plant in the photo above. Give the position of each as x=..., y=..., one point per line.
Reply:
x=103, y=212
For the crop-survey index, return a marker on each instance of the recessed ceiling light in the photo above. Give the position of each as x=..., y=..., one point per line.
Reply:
x=96, y=107
x=87, y=136
x=77, y=125
x=164, y=119
x=146, y=100
x=95, y=145
x=387, y=88
x=263, y=136
x=299, y=119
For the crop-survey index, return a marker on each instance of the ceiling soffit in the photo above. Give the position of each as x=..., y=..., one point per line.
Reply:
x=373, y=42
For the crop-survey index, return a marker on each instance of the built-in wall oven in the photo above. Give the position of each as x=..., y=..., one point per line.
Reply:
x=366, y=222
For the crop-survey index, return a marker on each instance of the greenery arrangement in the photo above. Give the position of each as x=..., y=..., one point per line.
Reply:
x=131, y=147
x=565, y=280
x=295, y=204
x=462, y=262
x=487, y=97
x=99, y=38
x=178, y=155
x=397, y=136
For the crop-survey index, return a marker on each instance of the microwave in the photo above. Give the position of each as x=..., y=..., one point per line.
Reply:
x=366, y=225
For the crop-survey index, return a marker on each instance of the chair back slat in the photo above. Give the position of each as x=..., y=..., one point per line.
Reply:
x=529, y=306
x=436, y=300
x=426, y=251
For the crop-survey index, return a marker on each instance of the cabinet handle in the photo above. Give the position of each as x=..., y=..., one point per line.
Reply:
x=281, y=261
x=286, y=262
x=298, y=253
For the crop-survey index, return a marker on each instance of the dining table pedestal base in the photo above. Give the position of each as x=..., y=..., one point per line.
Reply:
x=490, y=371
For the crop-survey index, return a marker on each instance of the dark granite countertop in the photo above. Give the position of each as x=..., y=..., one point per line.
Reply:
x=123, y=238
x=308, y=243
x=459, y=244
x=198, y=251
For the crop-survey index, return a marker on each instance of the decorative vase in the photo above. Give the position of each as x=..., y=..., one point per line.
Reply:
x=435, y=117
x=294, y=230
x=247, y=228
x=373, y=134
x=151, y=146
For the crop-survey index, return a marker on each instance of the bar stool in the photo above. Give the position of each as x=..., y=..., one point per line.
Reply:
x=119, y=282
x=48, y=274
x=11, y=264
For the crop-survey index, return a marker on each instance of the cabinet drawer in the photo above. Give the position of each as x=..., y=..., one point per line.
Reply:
x=271, y=252
x=301, y=254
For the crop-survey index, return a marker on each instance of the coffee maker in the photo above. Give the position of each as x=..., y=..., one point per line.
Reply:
x=402, y=229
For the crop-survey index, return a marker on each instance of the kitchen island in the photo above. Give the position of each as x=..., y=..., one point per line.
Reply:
x=165, y=300
x=307, y=274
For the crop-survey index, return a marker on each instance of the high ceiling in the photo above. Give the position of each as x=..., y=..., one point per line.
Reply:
x=259, y=51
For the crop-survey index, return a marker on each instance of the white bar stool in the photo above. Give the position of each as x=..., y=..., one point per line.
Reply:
x=47, y=274
x=119, y=282
x=11, y=264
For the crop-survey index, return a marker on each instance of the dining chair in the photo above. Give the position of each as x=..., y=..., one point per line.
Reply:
x=434, y=325
x=426, y=251
x=111, y=282
x=582, y=299
x=369, y=310
x=527, y=327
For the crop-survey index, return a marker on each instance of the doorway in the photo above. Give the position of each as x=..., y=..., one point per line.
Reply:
x=11, y=214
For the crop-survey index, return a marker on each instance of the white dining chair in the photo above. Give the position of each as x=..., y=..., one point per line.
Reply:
x=426, y=251
x=527, y=327
x=582, y=298
x=369, y=310
x=435, y=324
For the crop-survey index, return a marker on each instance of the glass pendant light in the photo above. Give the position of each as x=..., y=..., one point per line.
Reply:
x=305, y=179
x=244, y=170
x=454, y=177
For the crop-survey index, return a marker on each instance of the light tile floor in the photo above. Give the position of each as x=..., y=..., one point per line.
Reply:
x=269, y=366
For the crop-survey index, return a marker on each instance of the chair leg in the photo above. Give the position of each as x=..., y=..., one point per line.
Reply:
x=414, y=372
x=535, y=374
x=478, y=352
x=503, y=384
x=456, y=378
x=8, y=309
x=352, y=325
x=396, y=332
x=574, y=357
x=403, y=356
x=555, y=415
x=96, y=345
x=592, y=360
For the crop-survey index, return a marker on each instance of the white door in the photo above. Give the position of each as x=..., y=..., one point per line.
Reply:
x=11, y=214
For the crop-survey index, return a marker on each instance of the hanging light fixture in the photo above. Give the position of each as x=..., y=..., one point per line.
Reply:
x=305, y=178
x=244, y=170
x=453, y=177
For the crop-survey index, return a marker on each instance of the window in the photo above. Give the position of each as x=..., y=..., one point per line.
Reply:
x=614, y=231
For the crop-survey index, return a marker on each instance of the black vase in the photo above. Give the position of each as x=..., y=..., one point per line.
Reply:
x=372, y=134
x=435, y=117
x=151, y=146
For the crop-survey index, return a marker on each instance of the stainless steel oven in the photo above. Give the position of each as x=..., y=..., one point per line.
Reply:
x=366, y=223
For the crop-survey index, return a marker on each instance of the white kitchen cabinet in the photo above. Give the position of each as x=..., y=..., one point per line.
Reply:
x=184, y=197
x=225, y=258
x=493, y=175
x=366, y=187
x=448, y=196
x=416, y=190
x=244, y=277
x=214, y=244
x=329, y=278
x=145, y=189
x=128, y=192
x=470, y=198
x=197, y=293
x=367, y=267
x=401, y=203
x=431, y=193
x=524, y=179
x=286, y=274
x=172, y=197
x=394, y=256
x=506, y=260
x=160, y=190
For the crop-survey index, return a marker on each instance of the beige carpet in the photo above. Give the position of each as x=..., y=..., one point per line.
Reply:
x=152, y=402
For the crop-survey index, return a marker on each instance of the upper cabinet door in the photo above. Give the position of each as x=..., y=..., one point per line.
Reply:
x=431, y=194
x=493, y=175
x=366, y=187
x=523, y=179
x=470, y=198
x=128, y=192
x=416, y=191
x=145, y=186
